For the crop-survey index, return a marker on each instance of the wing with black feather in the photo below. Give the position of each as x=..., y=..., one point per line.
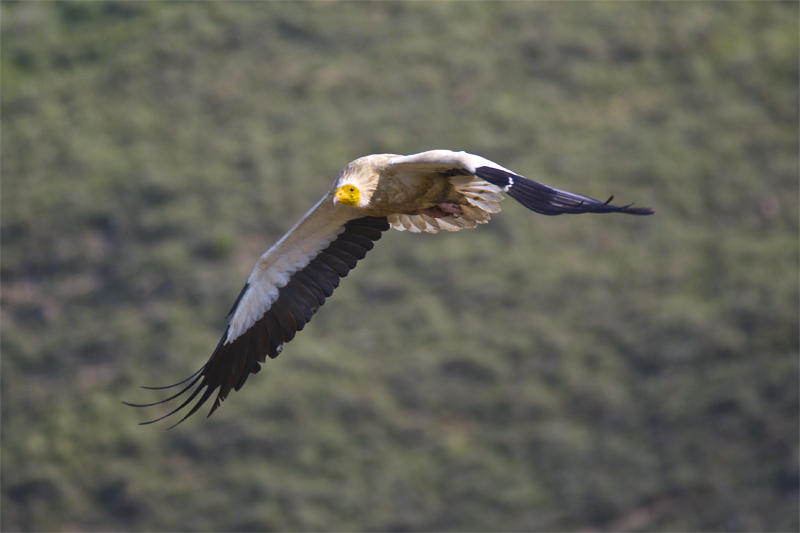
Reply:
x=549, y=200
x=535, y=196
x=297, y=301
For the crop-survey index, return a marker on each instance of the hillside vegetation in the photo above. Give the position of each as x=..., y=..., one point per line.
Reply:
x=593, y=372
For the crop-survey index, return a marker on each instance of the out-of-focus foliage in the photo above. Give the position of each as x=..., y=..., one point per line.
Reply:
x=587, y=372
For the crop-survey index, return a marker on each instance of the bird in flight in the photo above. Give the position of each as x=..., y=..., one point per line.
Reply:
x=430, y=191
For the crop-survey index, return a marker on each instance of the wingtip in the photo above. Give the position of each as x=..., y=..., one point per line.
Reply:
x=637, y=210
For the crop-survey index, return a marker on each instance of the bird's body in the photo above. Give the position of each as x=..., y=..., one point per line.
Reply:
x=429, y=191
x=393, y=189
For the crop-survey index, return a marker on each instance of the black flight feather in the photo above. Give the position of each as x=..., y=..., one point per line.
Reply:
x=548, y=200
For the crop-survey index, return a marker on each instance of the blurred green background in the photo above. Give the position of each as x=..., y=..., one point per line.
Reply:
x=537, y=373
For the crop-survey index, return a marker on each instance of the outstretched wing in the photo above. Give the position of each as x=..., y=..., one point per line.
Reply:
x=535, y=196
x=278, y=300
x=549, y=200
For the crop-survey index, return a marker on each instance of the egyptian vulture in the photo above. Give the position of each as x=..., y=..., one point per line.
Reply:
x=429, y=191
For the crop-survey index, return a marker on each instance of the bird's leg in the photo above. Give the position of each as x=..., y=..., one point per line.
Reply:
x=444, y=209
x=450, y=207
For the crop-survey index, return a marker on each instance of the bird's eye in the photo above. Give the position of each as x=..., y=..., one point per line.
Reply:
x=352, y=189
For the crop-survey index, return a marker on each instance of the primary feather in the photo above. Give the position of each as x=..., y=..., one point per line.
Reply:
x=429, y=191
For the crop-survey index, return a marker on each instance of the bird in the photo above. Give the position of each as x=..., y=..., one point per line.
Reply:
x=424, y=192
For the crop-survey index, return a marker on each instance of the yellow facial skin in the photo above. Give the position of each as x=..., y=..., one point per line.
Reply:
x=348, y=195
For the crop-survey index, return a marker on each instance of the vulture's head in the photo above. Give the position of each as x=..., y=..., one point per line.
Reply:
x=357, y=182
